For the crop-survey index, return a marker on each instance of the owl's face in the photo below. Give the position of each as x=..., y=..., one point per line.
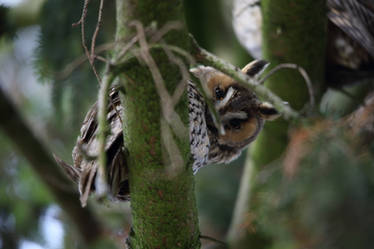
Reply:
x=242, y=114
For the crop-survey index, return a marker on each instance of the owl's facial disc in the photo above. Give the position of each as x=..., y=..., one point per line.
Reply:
x=240, y=128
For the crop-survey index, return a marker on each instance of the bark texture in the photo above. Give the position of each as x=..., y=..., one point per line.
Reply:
x=162, y=196
x=293, y=32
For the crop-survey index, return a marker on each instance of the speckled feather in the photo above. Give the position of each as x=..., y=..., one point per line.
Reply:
x=84, y=154
x=199, y=140
x=235, y=104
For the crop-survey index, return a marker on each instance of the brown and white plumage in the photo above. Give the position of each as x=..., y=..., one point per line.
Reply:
x=241, y=113
x=84, y=168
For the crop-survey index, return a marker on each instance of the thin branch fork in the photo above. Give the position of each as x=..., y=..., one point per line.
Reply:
x=90, y=54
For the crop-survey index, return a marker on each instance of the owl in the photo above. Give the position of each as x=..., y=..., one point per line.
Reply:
x=85, y=166
x=242, y=116
x=241, y=113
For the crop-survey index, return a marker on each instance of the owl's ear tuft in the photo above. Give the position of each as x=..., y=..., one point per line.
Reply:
x=255, y=68
x=202, y=71
x=267, y=111
x=196, y=71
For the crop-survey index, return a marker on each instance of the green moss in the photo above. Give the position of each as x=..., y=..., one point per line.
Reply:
x=160, y=206
x=167, y=214
x=163, y=205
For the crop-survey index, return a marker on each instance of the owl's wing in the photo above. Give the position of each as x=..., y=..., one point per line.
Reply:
x=199, y=139
x=86, y=151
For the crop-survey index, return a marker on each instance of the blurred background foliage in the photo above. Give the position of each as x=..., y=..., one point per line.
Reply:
x=318, y=195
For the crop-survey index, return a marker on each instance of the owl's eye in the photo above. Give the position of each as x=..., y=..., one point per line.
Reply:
x=220, y=93
x=235, y=123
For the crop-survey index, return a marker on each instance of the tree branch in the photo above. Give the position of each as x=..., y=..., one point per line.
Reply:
x=45, y=167
x=101, y=181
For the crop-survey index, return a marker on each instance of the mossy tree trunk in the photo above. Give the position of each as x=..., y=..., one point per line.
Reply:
x=164, y=213
x=293, y=32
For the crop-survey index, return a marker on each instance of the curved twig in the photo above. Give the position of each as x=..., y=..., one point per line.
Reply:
x=303, y=73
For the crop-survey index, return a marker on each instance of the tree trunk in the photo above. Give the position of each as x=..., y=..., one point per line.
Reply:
x=293, y=32
x=164, y=213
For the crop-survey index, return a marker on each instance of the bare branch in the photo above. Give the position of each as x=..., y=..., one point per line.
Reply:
x=169, y=26
x=98, y=24
x=176, y=161
x=126, y=48
x=101, y=182
x=69, y=68
x=185, y=76
x=303, y=73
x=166, y=104
x=82, y=23
x=84, y=14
